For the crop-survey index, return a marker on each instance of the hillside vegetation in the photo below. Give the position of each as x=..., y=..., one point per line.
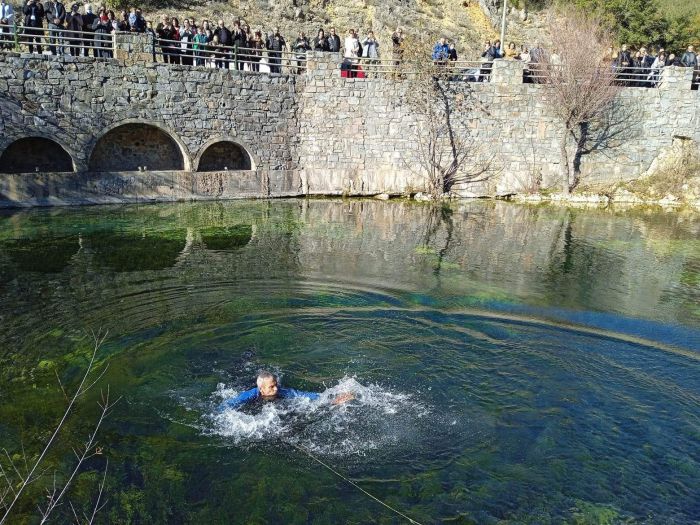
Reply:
x=670, y=23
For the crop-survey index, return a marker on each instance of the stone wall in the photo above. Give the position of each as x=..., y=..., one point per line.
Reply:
x=357, y=137
x=313, y=134
x=77, y=101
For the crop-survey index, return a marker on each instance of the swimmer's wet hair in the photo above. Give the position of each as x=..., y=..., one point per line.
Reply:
x=264, y=374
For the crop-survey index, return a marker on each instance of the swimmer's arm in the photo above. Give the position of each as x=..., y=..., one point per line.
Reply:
x=339, y=400
x=343, y=398
x=288, y=393
x=240, y=399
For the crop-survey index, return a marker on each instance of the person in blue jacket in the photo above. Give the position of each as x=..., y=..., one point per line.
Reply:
x=441, y=52
x=268, y=389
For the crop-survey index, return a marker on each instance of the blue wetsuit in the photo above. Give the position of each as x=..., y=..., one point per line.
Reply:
x=254, y=393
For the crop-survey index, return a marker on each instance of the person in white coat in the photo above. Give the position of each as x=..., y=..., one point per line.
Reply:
x=352, y=53
x=7, y=25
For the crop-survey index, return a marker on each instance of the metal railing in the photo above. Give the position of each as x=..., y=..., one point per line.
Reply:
x=645, y=77
x=57, y=41
x=456, y=70
x=255, y=60
x=101, y=45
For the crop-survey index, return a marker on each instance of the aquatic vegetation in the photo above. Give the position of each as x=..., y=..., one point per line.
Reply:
x=227, y=238
x=547, y=372
x=25, y=476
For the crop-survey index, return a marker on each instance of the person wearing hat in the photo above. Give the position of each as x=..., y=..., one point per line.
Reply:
x=103, y=38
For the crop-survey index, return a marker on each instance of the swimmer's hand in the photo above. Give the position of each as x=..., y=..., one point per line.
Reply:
x=343, y=398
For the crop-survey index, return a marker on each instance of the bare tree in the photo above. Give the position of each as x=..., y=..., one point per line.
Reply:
x=581, y=88
x=443, y=108
x=19, y=477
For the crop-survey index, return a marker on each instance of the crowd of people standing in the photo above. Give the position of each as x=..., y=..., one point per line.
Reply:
x=51, y=27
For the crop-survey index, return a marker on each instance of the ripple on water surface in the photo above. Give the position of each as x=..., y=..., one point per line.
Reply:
x=470, y=402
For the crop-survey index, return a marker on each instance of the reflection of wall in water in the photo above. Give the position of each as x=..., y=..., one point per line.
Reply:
x=541, y=255
x=500, y=251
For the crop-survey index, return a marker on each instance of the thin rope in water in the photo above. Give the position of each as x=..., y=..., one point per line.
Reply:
x=351, y=482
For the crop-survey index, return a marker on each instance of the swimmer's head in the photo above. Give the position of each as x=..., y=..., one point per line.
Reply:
x=267, y=385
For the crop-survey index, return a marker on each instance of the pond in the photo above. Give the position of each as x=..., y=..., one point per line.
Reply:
x=511, y=364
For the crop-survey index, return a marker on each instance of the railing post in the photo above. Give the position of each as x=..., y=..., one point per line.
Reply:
x=508, y=72
x=133, y=48
x=676, y=78
x=320, y=65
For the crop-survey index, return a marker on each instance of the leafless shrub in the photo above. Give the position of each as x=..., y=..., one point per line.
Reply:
x=581, y=88
x=444, y=109
x=18, y=477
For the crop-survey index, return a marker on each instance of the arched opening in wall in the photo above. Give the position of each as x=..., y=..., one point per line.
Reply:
x=224, y=155
x=132, y=146
x=32, y=154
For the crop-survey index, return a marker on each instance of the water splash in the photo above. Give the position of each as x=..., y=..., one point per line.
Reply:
x=378, y=417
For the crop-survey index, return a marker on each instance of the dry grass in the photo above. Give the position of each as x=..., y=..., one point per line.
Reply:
x=680, y=179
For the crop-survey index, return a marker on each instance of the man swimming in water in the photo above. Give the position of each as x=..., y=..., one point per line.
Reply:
x=268, y=389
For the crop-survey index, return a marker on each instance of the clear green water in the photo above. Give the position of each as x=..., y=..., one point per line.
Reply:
x=513, y=364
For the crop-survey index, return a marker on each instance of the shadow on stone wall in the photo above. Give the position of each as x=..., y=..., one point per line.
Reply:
x=224, y=155
x=131, y=146
x=35, y=154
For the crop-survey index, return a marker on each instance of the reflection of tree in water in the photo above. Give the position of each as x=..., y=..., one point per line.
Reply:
x=573, y=265
x=132, y=252
x=592, y=263
x=436, y=218
x=439, y=215
x=46, y=255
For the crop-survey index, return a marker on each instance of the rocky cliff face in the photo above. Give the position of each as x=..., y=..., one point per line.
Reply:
x=522, y=26
x=458, y=20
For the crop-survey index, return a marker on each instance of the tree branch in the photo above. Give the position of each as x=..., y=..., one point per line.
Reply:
x=98, y=340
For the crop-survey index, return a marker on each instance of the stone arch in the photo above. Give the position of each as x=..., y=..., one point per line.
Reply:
x=131, y=144
x=224, y=152
x=35, y=153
